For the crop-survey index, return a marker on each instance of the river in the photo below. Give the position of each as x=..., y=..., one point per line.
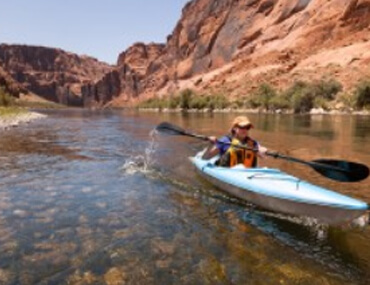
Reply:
x=99, y=198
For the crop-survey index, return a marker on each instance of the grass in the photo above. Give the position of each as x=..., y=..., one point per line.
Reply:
x=188, y=99
x=11, y=111
x=38, y=105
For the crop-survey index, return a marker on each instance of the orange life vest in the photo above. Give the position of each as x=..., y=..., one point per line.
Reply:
x=234, y=155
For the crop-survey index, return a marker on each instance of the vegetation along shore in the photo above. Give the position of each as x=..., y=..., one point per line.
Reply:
x=325, y=96
x=13, y=113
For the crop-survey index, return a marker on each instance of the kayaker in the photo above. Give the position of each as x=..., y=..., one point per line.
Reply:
x=231, y=155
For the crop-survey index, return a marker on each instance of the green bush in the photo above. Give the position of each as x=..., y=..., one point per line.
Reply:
x=5, y=98
x=302, y=101
x=262, y=97
x=240, y=102
x=173, y=102
x=218, y=101
x=199, y=102
x=265, y=93
x=327, y=89
x=185, y=98
x=154, y=103
x=362, y=95
x=279, y=102
x=306, y=95
x=298, y=97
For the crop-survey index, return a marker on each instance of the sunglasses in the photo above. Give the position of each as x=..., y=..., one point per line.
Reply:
x=248, y=127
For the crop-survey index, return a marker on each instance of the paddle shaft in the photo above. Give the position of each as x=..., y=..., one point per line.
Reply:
x=278, y=155
x=309, y=163
x=268, y=153
x=339, y=170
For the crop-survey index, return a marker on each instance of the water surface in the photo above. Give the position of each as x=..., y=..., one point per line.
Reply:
x=98, y=198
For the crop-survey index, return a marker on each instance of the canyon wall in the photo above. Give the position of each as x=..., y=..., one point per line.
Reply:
x=217, y=46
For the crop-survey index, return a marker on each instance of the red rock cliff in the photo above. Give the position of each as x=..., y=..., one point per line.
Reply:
x=227, y=46
x=231, y=45
x=51, y=73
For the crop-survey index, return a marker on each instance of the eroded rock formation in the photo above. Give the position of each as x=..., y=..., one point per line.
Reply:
x=52, y=73
x=227, y=46
x=233, y=45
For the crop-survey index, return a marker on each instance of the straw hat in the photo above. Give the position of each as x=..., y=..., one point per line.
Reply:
x=242, y=121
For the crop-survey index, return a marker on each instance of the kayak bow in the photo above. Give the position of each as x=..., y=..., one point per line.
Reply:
x=280, y=192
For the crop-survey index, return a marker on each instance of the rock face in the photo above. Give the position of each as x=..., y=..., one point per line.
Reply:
x=124, y=82
x=9, y=84
x=232, y=45
x=228, y=46
x=51, y=73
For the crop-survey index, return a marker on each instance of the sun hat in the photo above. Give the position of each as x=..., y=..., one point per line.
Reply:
x=242, y=121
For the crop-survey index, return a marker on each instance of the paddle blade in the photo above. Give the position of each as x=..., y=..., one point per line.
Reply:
x=170, y=129
x=340, y=170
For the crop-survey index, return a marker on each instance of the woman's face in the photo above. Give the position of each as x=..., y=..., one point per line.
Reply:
x=241, y=132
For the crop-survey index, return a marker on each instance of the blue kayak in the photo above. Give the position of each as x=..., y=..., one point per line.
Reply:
x=280, y=192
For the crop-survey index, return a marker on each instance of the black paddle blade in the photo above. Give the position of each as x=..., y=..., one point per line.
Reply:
x=340, y=170
x=169, y=129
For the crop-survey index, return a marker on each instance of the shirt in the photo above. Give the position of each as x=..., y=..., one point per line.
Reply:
x=224, y=142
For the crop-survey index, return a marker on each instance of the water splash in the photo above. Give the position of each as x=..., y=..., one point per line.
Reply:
x=142, y=163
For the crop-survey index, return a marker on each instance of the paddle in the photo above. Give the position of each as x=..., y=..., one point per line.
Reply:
x=339, y=170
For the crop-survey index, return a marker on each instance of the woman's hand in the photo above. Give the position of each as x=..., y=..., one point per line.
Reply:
x=212, y=139
x=262, y=151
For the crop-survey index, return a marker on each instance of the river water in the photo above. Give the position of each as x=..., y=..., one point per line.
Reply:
x=99, y=198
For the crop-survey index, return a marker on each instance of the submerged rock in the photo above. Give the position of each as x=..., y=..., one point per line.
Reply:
x=10, y=121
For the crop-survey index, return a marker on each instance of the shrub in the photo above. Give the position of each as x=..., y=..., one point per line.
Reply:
x=240, y=102
x=185, y=98
x=299, y=97
x=362, y=95
x=320, y=102
x=279, y=102
x=154, y=103
x=306, y=95
x=266, y=92
x=199, y=102
x=173, y=102
x=263, y=96
x=327, y=89
x=5, y=98
x=346, y=100
x=218, y=101
x=302, y=101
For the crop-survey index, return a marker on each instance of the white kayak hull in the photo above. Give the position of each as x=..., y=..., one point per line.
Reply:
x=277, y=191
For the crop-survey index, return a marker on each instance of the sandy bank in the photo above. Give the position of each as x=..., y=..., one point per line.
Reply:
x=13, y=120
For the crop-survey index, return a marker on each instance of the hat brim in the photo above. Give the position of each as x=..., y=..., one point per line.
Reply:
x=244, y=124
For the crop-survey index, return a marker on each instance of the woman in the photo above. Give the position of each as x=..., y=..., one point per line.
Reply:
x=226, y=147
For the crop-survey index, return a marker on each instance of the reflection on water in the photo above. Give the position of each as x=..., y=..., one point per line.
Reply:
x=97, y=198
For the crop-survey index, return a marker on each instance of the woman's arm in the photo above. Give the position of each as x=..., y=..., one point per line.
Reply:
x=212, y=149
x=261, y=151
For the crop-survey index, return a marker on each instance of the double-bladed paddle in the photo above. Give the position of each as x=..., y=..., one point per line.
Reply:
x=339, y=170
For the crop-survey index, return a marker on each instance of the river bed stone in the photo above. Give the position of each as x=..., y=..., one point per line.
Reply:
x=11, y=121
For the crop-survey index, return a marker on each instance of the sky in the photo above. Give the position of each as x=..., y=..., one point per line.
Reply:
x=97, y=28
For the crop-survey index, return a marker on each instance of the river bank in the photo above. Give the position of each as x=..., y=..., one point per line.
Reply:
x=314, y=111
x=13, y=118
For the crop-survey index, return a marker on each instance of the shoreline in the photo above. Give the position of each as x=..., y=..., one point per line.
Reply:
x=15, y=119
x=318, y=111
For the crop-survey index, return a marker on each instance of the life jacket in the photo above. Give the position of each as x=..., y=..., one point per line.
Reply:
x=235, y=155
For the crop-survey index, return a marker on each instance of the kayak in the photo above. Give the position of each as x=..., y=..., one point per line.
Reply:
x=278, y=191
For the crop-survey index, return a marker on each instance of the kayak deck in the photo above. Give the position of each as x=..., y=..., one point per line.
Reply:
x=278, y=191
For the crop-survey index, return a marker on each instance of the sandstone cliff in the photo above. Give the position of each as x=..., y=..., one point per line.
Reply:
x=53, y=74
x=227, y=46
x=231, y=46
x=10, y=85
x=124, y=83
